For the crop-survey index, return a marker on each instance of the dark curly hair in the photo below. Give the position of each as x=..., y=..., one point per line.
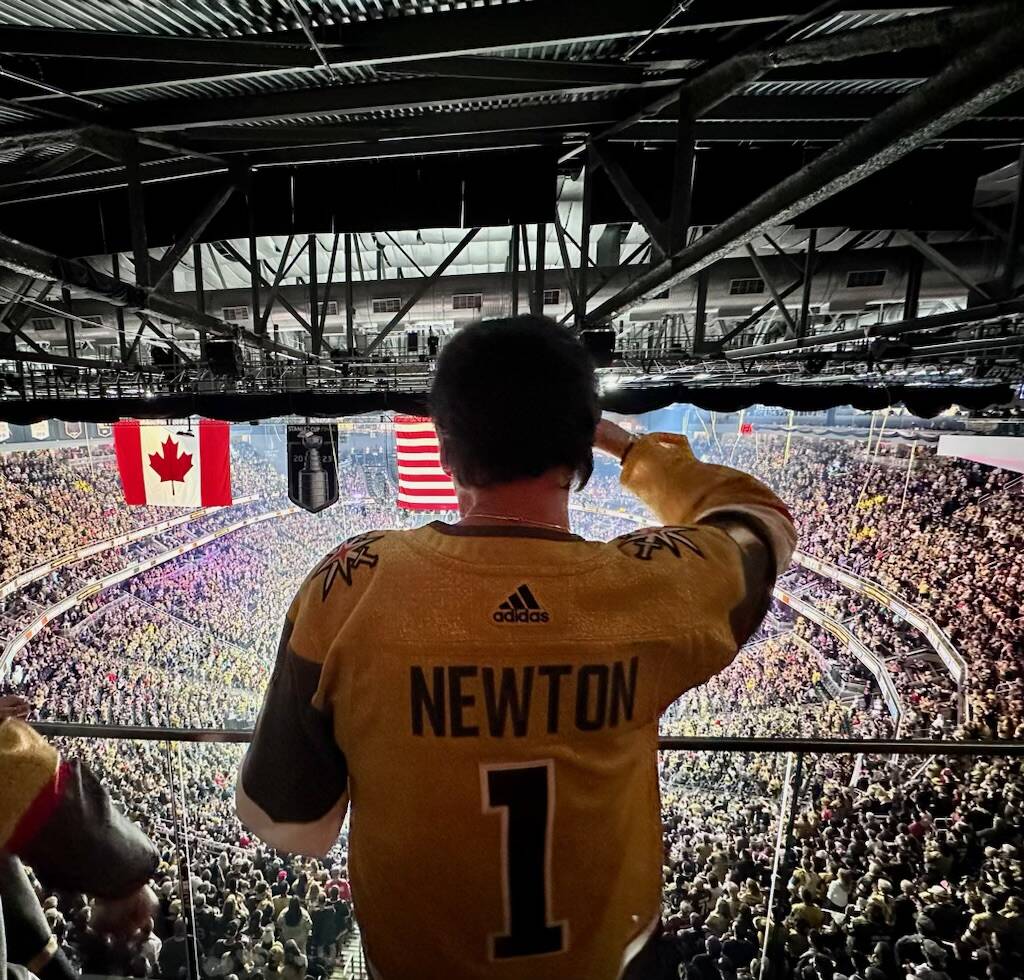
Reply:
x=514, y=398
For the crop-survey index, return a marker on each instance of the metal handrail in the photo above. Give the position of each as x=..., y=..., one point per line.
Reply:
x=821, y=746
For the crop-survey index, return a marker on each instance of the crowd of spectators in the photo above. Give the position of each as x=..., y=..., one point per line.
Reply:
x=55, y=500
x=895, y=869
x=945, y=535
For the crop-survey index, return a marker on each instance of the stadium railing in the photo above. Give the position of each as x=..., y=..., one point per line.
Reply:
x=873, y=663
x=798, y=767
x=902, y=609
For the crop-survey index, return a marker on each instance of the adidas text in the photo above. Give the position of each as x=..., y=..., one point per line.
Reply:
x=520, y=616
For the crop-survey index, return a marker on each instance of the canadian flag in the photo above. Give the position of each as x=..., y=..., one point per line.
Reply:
x=165, y=467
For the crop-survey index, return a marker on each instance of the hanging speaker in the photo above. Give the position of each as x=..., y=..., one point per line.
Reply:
x=163, y=358
x=224, y=358
x=412, y=341
x=600, y=345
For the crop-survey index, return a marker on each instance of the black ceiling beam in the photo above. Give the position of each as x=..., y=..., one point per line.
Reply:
x=936, y=258
x=390, y=149
x=777, y=299
x=543, y=22
x=128, y=62
x=63, y=162
x=631, y=197
x=90, y=129
x=106, y=77
x=525, y=69
x=182, y=168
x=193, y=232
x=474, y=31
x=830, y=107
x=977, y=130
x=535, y=24
x=91, y=284
x=451, y=123
x=346, y=99
x=421, y=290
x=783, y=109
x=146, y=321
x=112, y=45
x=260, y=281
x=104, y=179
x=981, y=76
x=992, y=130
x=910, y=63
x=27, y=137
x=731, y=75
x=976, y=314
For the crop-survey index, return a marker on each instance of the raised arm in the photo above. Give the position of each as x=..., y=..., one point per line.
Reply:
x=724, y=540
x=662, y=471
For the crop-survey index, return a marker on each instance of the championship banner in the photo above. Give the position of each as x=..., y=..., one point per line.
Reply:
x=40, y=430
x=313, y=466
x=5, y=432
x=74, y=430
x=163, y=467
x=422, y=484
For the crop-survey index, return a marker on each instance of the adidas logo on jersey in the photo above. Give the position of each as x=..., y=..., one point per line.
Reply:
x=520, y=607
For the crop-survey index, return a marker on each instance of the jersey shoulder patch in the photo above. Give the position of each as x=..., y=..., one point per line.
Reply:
x=649, y=541
x=353, y=558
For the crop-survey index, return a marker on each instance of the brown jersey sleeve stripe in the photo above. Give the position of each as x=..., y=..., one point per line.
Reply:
x=756, y=559
x=314, y=838
x=294, y=770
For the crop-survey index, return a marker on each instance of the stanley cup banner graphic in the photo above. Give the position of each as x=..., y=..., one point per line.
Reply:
x=313, y=466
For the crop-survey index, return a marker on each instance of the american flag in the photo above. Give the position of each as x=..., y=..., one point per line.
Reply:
x=422, y=484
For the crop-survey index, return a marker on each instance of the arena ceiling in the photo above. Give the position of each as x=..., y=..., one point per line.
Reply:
x=135, y=131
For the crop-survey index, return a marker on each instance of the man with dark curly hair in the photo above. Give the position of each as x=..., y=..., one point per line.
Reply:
x=486, y=694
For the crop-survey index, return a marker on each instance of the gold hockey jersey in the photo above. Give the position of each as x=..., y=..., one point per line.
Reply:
x=487, y=700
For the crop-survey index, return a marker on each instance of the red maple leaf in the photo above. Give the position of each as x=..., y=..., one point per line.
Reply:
x=171, y=465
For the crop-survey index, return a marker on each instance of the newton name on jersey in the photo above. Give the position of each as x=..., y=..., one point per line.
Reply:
x=465, y=701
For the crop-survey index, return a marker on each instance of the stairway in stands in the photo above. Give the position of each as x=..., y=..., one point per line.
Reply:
x=351, y=964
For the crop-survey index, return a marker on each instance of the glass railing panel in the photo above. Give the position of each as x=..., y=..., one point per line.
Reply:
x=774, y=850
x=875, y=841
x=227, y=862
x=723, y=815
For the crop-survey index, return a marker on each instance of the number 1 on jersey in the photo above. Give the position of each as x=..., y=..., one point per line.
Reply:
x=524, y=795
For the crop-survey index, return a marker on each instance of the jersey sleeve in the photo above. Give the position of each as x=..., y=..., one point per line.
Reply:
x=292, y=789
x=57, y=817
x=708, y=572
x=663, y=472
